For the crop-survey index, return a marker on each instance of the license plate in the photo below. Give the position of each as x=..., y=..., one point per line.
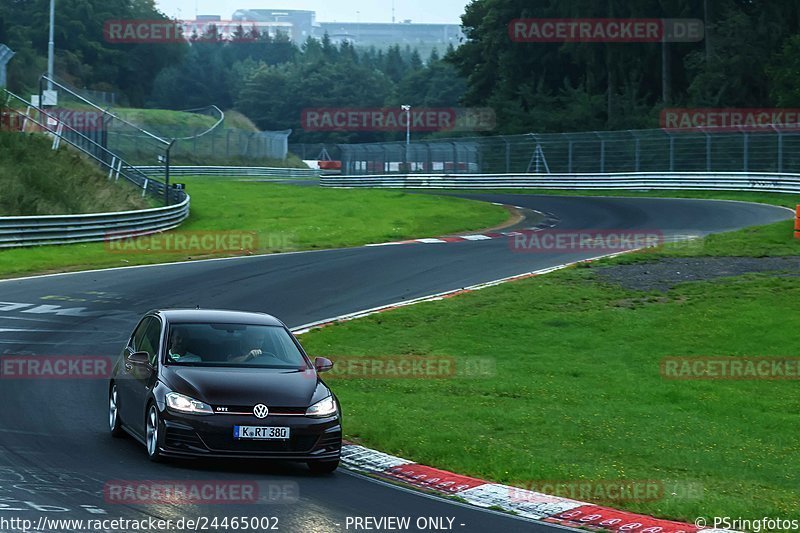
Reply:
x=260, y=433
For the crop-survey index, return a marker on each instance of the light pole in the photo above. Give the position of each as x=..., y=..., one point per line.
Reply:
x=51, y=46
x=407, y=109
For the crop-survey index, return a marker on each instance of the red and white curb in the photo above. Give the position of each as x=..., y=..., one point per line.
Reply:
x=522, y=502
x=444, y=240
x=549, y=221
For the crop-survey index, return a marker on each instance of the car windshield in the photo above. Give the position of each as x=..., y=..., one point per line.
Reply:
x=233, y=345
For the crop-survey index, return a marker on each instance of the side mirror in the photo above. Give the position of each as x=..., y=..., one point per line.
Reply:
x=322, y=364
x=139, y=359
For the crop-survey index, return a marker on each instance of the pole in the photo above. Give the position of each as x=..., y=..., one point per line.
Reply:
x=166, y=173
x=51, y=46
x=408, y=127
x=407, y=109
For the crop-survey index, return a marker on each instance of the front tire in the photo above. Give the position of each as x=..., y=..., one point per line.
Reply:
x=114, y=420
x=323, y=467
x=153, y=434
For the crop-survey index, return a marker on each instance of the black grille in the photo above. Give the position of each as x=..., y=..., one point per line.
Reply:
x=296, y=444
x=332, y=441
x=180, y=438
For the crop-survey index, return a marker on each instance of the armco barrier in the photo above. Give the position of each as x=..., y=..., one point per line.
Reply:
x=232, y=172
x=780, y=183
x=64, y=229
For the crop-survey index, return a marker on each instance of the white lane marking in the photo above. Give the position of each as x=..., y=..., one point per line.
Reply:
x=430, y=241
x=476, y=237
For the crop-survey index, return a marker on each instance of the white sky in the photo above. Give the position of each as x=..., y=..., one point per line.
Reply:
x=431, y=11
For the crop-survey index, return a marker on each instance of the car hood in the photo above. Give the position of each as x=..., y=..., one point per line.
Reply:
x=245, y=386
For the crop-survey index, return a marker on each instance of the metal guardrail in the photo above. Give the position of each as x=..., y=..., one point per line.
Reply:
x=66, y=229
x=770, y=182
x=234, y=172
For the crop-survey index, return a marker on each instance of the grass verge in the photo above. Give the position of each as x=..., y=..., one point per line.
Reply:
x=577, y=392
x=36, y=180
x=284, y=217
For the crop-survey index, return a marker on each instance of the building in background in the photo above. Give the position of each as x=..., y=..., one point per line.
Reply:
x=299, y=24
x=384, y=34
x=303, y=24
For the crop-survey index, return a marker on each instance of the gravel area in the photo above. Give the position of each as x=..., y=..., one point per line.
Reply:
x=666, y=273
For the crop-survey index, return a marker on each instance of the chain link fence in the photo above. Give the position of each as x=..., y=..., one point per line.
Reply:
x=73, y=120
x=771, y=150
x=204, y=136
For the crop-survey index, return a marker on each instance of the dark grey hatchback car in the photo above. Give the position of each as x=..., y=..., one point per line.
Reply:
x=202, y=383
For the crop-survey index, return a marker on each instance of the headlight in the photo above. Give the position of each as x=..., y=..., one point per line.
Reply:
x=326, y=407
x=184, y=404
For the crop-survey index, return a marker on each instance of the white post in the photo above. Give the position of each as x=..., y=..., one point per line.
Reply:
x=57, y=135
x=111, y=167
x=51, y=46
x=407, y=109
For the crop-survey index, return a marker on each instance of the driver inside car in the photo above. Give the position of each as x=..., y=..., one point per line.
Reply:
x=253, y=344
x=178, y=353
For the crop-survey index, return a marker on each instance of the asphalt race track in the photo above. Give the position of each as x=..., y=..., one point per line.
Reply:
x=55, y=452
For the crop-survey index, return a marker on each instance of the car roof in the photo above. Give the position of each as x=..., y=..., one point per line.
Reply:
x=217, y=316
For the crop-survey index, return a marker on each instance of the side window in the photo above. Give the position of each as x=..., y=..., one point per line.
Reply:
x=151, y=338
x=138, y=335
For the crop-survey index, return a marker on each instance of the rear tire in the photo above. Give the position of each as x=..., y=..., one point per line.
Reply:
x=114, y=420
x=323, y=467
x=153, y=434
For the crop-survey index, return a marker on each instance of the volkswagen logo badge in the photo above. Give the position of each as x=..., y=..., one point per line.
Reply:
x=261, y=411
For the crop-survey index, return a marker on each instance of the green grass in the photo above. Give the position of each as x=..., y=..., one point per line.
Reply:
x=286, y=218
x=577, y=392
x=229, y=144
x=35, y=180
x=155, y=119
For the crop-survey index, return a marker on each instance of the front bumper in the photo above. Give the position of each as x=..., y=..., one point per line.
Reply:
x=212, y=436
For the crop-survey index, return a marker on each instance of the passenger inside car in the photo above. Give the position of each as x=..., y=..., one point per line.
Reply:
x=178, y=351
